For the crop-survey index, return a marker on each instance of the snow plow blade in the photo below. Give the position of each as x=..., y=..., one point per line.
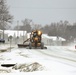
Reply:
x=27, y=46
x=23, y=45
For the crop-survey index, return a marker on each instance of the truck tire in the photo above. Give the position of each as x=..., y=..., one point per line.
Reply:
x=42, y=45
x=30, y=46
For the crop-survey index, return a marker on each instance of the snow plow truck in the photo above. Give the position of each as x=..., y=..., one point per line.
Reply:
x=35, y=41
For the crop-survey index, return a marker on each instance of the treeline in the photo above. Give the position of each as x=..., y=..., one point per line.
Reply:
x=62, y=28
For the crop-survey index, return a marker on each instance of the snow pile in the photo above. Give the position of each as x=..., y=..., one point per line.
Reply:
x=28, y=67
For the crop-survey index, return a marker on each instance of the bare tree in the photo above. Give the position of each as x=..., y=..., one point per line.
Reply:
x=26, y=25
x=5, y=17
x=36, y=27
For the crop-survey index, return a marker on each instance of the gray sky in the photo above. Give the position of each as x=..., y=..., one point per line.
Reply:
x=43, y=11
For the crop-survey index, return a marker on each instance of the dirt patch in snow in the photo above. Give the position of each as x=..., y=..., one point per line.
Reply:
x=28, y=67
x=5, y=71
x=1, y=57
x=3, y=50
x=24, y=55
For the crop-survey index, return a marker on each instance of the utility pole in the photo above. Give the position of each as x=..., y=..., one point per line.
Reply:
x=17, y=28
x=17, y=31
x=23, y=35
x=2, y=20
x=3, y=27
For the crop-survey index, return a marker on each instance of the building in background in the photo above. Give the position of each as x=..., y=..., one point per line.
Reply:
x=17, y=36
x=5, y=36
x=52, y=40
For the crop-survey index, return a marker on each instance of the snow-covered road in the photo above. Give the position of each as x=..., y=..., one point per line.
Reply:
x=61, y=53
x=57, y=60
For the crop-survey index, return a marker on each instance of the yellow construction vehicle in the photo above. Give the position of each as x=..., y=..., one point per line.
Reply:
x=35, y=40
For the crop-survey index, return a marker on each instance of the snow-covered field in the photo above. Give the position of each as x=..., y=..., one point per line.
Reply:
x=55, y=60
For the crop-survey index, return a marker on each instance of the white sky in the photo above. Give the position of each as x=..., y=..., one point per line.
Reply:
x=43, y=11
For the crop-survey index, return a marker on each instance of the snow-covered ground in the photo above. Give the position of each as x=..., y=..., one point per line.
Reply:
x=55, y=60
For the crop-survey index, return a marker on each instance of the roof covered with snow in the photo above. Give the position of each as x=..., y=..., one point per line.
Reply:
x=15, y=33
x=54, y=38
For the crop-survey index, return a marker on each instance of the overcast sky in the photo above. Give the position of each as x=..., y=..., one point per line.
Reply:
x=43, y=11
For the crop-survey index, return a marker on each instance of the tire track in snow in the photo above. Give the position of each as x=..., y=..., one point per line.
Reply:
x=60, y=57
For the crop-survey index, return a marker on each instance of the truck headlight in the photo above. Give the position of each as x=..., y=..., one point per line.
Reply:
x=39, y=32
